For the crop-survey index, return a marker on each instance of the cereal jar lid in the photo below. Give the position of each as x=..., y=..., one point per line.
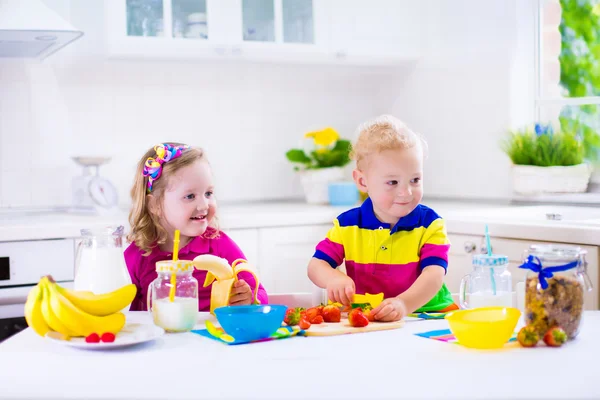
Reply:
x=174, y=266
x=490, y=261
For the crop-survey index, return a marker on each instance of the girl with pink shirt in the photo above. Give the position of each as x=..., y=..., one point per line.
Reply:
x=173, y=190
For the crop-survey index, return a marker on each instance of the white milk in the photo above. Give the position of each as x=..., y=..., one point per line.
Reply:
x=177, y=316
x=489, y=299
x=101, y=270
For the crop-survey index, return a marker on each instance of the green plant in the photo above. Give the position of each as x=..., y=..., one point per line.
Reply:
x=541, y=146
x=580, y=70
x=326, y=150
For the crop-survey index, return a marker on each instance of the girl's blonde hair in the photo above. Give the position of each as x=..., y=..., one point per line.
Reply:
x=382, y=133
x=146, y=230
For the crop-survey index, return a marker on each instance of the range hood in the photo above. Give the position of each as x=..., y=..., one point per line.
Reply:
x=31, y=30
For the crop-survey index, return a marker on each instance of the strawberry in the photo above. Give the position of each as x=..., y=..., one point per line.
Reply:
x=312, y=312
x=92, y=338
x=293, y=315
x=304, y=324
x=108, y=337
x=332, y=314
x=555, y=337
x=528, y=336
x=369, y=314
x=357, y=319
x=317, y=320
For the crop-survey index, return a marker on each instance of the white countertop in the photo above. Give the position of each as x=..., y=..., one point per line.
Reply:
x=377, y=365
x=580, y=225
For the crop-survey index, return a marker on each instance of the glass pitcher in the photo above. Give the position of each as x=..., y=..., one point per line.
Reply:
x=489, y=285
x=179, y=313
x=555, y=287
x=99, y=262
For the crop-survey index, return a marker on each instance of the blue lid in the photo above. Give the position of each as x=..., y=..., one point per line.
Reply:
x=489, y=261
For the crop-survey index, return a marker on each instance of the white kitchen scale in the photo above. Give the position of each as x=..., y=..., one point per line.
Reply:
x=90, y=190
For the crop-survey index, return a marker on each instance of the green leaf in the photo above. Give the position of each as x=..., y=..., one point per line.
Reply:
x=297, y=156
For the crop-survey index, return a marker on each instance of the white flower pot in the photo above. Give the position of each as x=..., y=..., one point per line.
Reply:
x=528, y=179
x=315, y=183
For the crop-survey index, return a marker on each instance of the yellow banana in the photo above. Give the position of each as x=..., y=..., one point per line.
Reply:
x=100, y=304
x=33, y=311
x=51, y=319
x=78, y=321
x=218, y=268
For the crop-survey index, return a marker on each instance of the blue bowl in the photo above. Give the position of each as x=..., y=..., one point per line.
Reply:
x=248, y=323
x=342, y=194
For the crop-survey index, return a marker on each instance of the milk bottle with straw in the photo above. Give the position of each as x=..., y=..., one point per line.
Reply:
x=173, y=295
x=490, y=283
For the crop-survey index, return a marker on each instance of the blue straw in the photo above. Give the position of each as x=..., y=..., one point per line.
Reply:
x=489, y=253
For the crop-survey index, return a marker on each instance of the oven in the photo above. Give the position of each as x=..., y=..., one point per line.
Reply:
x=22, y=264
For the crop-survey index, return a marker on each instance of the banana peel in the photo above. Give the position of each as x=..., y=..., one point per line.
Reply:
x=360, y=299
x=222, y=276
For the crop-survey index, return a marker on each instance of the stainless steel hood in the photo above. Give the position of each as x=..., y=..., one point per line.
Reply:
x=31, y=30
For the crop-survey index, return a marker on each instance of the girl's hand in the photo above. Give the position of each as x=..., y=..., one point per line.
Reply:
x=241, y=294
x=392, y=309
x=341, y=289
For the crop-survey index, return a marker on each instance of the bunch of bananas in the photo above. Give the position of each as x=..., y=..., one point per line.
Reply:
x=51, y=307
x=218, y=268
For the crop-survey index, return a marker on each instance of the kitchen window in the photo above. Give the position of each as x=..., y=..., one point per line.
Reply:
x=568, y=66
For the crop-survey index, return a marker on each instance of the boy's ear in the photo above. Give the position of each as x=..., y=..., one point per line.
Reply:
x=359, y=179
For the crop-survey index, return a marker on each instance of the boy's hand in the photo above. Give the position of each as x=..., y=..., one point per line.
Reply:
x=241, y=294
x=392, y=309
x=341, y=289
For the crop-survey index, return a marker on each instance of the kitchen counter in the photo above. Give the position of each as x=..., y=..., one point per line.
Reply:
x=378, y=365
x=579, y=225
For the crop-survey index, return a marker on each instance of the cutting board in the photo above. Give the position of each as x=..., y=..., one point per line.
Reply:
x=344, y=328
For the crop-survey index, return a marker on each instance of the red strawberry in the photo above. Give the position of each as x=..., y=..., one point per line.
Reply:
x=293, y=315
x=108, y=337
x=555, y=337
x=304, y=324
x=317, y=320
x=312, y=312
x=528, y=336
x=332, y=314
x=357, y=319
x=92, y=338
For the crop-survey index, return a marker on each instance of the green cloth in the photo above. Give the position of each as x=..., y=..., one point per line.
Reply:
x=441, y=300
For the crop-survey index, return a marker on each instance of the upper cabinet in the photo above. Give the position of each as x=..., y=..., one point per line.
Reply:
x=301, y=31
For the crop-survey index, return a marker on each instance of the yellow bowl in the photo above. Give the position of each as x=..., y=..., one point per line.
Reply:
x=484, y=328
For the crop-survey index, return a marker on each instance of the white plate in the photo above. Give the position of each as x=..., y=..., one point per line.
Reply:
x=132, y=333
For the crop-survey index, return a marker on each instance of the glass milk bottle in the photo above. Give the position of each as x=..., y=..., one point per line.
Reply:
x=489, y=285
x=99, y=262
x=179, y=313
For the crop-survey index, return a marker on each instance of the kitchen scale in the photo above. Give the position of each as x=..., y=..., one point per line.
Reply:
x=90, y=190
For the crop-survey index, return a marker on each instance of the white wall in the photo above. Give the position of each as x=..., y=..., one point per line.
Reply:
x=245, y=115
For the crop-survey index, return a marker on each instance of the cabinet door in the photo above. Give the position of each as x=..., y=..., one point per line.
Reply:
x=284, y=255
x=459, y=258
x=247, y=240
x=514, y=249
x=384, y=30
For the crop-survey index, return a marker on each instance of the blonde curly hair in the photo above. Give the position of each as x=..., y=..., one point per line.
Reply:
x=146, y=231
x=385, y=132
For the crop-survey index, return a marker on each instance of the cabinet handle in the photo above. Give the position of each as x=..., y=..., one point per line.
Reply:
x=236, y=51
x=483, y=249
x=220, y=50
x=470, y=247
x=341, y=54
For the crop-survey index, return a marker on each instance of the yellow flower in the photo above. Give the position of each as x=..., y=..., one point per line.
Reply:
x=325, y=137
x=596, y=9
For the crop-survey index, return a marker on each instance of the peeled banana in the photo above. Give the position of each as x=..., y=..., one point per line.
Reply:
x=52, y=308
x=225, y=275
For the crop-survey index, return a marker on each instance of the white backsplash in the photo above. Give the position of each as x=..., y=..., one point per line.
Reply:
x=246, y=116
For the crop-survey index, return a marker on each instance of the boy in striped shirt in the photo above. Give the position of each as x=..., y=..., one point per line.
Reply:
x=391, y=243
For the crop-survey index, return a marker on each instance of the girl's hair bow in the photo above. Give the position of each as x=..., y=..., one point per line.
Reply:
x=164, y=153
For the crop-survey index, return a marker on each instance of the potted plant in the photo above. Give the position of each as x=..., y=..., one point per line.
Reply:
x=321, y=161
x=547, y=161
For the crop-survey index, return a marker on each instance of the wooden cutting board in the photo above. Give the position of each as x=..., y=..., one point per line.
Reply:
x=344, y=328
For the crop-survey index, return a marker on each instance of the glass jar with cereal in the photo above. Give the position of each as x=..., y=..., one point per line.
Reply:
x=554, y=287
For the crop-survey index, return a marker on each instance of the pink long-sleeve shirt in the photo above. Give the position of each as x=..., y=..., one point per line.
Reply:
x=142, y=269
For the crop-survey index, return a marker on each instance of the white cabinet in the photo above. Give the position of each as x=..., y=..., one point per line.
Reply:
x=247, y=241
x=284, y=30
x=464, y=246
x=284, y=254
x=378, y=32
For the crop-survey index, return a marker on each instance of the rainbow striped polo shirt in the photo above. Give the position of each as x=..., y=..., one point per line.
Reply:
x=389, y=259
